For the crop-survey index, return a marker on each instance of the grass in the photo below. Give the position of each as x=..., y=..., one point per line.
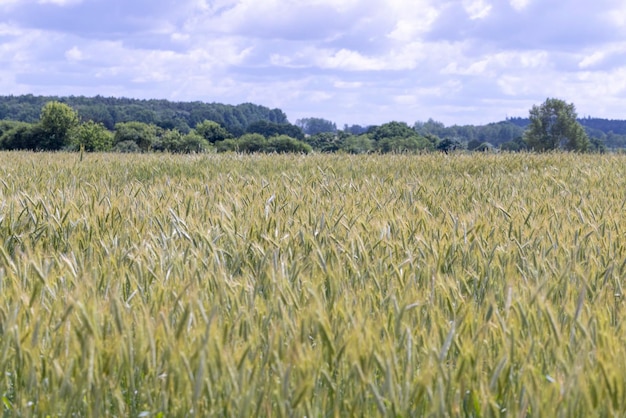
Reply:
x=157, y=285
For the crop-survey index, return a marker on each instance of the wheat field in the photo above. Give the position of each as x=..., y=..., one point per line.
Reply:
x=320, y=285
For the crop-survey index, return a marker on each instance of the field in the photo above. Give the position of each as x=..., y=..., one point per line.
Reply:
x=461, y=285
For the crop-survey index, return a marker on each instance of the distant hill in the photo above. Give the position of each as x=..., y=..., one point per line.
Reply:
x=163, y=113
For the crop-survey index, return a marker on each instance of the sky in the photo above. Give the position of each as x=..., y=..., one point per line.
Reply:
x=361, y=62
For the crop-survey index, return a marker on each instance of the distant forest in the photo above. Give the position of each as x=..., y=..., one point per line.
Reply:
x=165, y=114
x=176, y=125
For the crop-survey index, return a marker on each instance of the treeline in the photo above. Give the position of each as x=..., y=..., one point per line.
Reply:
x=109, y=111
x=60, y=127
x=129, y=125
x=610, y=132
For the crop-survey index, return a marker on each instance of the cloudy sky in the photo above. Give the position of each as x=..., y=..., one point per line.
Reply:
x=349, y=61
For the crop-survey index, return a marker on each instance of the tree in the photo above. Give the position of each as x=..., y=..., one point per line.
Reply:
x=391, y=130
x=270, y=129
x=282, y=144
x=170, y=140
x=449, y=145
x=325, y=142
x=399, y=144
x=553, y=126
x=249, y=143
x=515, y=145
x=354, y=144
x=19, y=135
x=141, y=134
x=193, y=143
x=211, y=131
x=57, y=122
x=93, y=136
x=314, y=126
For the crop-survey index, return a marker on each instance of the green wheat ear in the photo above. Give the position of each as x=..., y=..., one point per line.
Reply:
x=325, y=285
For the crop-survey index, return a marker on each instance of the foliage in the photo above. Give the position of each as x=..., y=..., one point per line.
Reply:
x=227, y=145
x=211, y=131
x=391, y=130
x=360, y=144
x=167, y=115
x=449, y=145
x=285, y=144
x=269, y=129
x=412, y=143
x=597, y=145
x=314, y=126
x=170, y=140
x=92, y=136
x=253, y=143
x=494, y=133
x=194, y=143
x=355, y=129
x=19, y=136
x=249, y=143
x=126, y=146
x=325, y=285
x=553, y=126
x=142, y=134
x=56, y=126
x=516, y=145
x=326, y=142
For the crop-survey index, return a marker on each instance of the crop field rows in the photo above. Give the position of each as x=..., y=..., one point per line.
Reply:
x=320, y=285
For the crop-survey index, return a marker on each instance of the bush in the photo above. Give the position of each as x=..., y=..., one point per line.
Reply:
x=227, y=145
x=285, y=144
x=193, y=143
x=357, y=144
x=91, y=137
x=404, y=144
x=249, y=143
x=24, y=136
x=126, y=146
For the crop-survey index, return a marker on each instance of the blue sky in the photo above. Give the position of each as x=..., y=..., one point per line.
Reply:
x=349, y=61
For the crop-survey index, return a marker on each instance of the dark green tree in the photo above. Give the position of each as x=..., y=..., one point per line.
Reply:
x=270, y=129
x=314, y=126
x=170, y=140
x=193, y=143
x=19, y=135
x=57, y=123
x=354, y=144
x=92, y=136
x=553, y=126
x=391, y=130
x=143, y=135
x=325, y=142
x=515, y=145
x=282, y=144
x=597, y=145
x=249, y=143
x=449, y=145
x=211, y=131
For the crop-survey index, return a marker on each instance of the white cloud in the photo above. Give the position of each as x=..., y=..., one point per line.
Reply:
x=60, y=2
x=412, y=18
x=359, y=61
x=519, y=5
x=593, y=59
x=345, y=59
x=74, y=54
x=341, y=84
x=477, y=9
